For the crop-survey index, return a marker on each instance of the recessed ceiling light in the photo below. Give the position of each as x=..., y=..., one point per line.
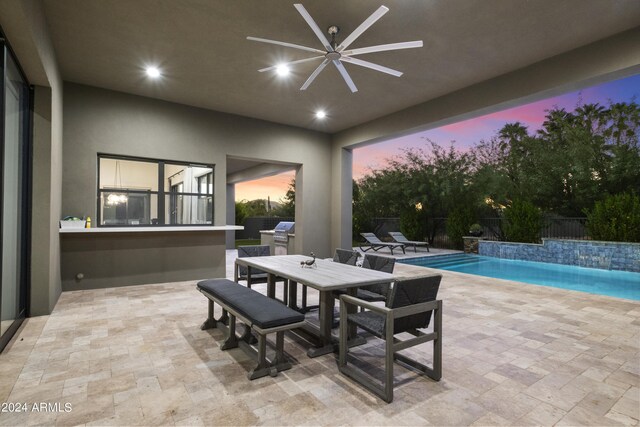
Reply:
x=153, y=72
x=282, y=70
x=320, y=114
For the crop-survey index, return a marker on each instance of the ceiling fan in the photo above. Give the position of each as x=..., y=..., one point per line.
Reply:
x=338, y=53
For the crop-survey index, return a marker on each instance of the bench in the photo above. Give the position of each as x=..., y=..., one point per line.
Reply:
x=259, y=313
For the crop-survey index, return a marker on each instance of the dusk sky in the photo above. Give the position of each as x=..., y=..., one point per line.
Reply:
x=463, y=134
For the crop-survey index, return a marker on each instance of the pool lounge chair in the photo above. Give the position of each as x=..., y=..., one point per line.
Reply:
x=399, y=237
x=377, y=244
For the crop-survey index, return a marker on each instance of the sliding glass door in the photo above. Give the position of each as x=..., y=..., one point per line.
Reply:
x=14, y=212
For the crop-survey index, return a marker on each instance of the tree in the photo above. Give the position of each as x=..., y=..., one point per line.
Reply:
x=256, y=207
x=616, y=218
x=522, y=222
x=437, y=179
x=241, y=213
x=459, y=221
x=576, y=159
x=287, y=206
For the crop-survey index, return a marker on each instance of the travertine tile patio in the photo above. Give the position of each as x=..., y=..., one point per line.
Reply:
x=514, y=354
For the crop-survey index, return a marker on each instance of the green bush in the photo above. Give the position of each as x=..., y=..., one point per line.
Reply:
x=459, y=221
x=522, y=222
x=615, y=219
x=241, y=213
x=476, y=229
x=413, y=223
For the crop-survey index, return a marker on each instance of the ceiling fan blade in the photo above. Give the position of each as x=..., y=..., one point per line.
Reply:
x=383, y=47
x=313, y=75
x=371, y=65
x=345, y=75
x=299, y=61
x=314, y=27
x=285, y=44
x=362, y=28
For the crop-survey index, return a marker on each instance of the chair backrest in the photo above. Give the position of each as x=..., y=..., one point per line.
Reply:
x=251, y=251
x=398, y=237
x=346, y=256
x=409, y=292
x=378, y=263
x=371, y=238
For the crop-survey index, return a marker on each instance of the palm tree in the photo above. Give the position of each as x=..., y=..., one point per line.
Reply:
x=592, y=116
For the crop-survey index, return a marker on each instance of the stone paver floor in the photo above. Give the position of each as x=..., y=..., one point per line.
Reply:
x=514, y=354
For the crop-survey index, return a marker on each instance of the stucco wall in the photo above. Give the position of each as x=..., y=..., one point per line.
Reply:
x=103, y=121
x=27, y=30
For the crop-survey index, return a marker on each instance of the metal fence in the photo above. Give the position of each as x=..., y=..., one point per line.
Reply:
x=554, y=227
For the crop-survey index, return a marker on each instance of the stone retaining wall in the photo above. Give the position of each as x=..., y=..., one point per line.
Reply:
x=581, y=253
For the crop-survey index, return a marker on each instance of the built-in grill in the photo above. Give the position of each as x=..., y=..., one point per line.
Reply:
x=281, y=237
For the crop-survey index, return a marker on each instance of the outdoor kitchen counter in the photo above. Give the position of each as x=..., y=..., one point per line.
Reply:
x=105, y=257
x=266, y=238
x=152, y=229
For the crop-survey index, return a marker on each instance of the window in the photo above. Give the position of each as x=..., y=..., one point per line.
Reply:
x=134, y=192
x=15, y=204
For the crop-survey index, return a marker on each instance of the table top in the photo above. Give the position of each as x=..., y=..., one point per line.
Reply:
x=327, y=276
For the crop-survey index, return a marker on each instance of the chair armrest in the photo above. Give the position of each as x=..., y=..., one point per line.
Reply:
x=348, y=299
x=416, y=308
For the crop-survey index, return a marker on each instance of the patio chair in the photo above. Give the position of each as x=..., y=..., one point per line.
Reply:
x=408, y=309
x=372, y=262
x=377, y=292
x=370, y=293
x=399, y=237
x=257, y=275
x=377, y=244
x=346, y=256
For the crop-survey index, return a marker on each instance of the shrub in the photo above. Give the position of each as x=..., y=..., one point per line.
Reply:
x=476, y=229
x=459, y=221
x=241, y=213
x=413, y=223
x=522, y=222
x=616, y=219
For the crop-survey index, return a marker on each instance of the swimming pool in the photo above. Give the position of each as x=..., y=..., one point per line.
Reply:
x=621, y=284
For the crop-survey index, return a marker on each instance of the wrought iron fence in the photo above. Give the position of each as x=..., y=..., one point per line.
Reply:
x=554, y=227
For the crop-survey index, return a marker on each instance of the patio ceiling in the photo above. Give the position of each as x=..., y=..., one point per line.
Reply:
x=202, y=49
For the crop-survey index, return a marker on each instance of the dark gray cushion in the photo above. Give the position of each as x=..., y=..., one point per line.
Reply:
x=369, y=321
x=264, y=312
x=366, y=295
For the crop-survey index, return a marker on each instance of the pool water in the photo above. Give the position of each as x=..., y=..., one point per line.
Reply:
x=621, y=284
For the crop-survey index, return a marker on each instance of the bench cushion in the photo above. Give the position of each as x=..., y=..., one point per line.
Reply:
x=264, y=312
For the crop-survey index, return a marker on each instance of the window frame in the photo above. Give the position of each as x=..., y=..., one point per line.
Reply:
x=161, y=193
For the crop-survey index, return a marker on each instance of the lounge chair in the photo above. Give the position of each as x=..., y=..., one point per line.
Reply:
x=377, y=244
x=408, y=309
x=399, y=237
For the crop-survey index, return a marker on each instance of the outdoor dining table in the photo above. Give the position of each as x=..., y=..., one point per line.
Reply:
x=325, y=276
